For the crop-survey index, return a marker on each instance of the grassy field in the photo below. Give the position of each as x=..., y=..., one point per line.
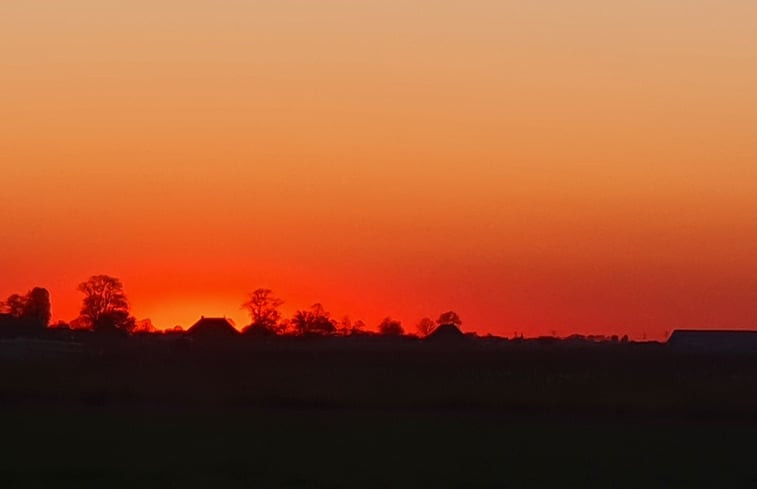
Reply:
x=387, y=418
x=292, y=449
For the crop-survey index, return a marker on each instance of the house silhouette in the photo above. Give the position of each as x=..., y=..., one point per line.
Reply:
x=446, y=333
x=212, y=328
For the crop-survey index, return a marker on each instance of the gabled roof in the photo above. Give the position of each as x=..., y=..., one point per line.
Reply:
x=216, y=327
x=446, y=332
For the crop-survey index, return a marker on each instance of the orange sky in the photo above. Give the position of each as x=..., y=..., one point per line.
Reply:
x=537, y=166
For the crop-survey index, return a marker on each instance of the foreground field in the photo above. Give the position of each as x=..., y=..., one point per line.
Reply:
x=324, y=417
x=293, y=449
x=638, y=381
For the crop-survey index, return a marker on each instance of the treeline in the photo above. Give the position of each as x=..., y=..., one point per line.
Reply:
x=266, y=319
x=105, y=309
x=29, y=312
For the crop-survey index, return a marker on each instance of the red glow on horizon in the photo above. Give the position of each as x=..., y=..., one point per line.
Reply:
x=537, y=167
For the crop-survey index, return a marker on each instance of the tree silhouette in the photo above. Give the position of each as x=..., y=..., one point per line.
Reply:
x=105, y=307
x=264, y=310
x=426, y=326
x=315, y=321
x=284, y=326
x=37, y=306
x=14, y=305
x=390, y=327
x=449, y=317
x=33, y=306
x=144, y=326
x=347, y=326
x=114, y=321
x=358, y=326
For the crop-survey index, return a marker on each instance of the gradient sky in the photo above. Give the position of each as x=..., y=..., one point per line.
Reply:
x=540, y=166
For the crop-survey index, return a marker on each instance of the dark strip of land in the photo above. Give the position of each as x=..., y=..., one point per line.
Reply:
x=318, y=414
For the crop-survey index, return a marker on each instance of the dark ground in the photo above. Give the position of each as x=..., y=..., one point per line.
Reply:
x=411, y=417
x=252, y=448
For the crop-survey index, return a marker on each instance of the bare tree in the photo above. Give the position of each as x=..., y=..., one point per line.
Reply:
x=315, y=321
x=426, y=326
x=264, y=310
x=391, y=327
x=449, y=317
x=105, y=306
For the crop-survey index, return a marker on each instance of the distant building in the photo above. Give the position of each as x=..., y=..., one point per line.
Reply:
x=446, y=333
x=713, y=341
x=217, y=328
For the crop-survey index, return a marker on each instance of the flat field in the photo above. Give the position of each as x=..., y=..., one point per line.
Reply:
x=331, y=449
x=381, y=418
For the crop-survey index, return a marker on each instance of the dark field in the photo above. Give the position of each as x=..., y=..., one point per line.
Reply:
x=628, y=416
x=252, y=448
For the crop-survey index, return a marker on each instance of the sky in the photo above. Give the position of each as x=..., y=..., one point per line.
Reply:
x=541, y=167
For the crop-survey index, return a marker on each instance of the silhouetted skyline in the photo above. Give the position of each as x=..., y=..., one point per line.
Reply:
x=106, y=307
